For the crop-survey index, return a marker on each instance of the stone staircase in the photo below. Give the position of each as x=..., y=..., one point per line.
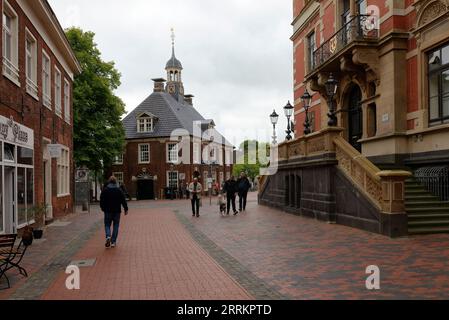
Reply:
x=426, y=213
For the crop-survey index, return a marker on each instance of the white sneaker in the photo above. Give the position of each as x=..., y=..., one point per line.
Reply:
x=113, y=245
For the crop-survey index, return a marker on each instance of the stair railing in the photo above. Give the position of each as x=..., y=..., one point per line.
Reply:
x=385, y=189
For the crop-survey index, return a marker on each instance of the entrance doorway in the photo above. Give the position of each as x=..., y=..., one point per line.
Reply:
x=355, y=118
x=10, y=200
x=145, y=189
x=47, y=189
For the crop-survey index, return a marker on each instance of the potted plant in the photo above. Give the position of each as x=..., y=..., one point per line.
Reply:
x=40, y=212
x=27, y=236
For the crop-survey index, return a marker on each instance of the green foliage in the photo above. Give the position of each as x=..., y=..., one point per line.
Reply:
x=250, y=161
x=98, y=132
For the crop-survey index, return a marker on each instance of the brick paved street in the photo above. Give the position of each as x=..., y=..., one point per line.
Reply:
x=263, y=253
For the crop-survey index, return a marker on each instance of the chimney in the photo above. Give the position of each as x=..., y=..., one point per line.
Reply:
x=188, y=98
x=159, y=85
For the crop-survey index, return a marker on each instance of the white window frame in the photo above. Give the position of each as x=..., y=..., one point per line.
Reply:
x=118, y=160
x=140, y=153
x=11, y=66
x=147, y=122
x=63, y=173
x=58, y=92
x=31, y=65
x=196, y=153
x=120, y=177
x=169, y=173
x=173, y=155
x=46, y=83
x=67, y=108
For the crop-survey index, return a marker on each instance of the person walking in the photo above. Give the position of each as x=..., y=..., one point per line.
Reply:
x=243, y=186
x=111, y=201
x=195, y=189
x=230, y=188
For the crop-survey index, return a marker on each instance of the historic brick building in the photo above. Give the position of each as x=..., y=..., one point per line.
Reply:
x=390, y=60
x=36, y=146
x=168, y=142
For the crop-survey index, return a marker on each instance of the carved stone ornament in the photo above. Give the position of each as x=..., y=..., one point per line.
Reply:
x=432, y=11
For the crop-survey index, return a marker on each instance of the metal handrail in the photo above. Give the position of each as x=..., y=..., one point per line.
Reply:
x=358, y=28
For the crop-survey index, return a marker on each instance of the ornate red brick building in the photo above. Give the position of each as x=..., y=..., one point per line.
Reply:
x=381, y=70
x=36, y=145
x=168, y=142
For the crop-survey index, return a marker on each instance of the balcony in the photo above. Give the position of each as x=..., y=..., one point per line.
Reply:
x=361, y=29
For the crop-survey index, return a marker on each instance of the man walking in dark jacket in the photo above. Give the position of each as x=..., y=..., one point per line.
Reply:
x=111, y=201
x=243, y=186
x=230, y=187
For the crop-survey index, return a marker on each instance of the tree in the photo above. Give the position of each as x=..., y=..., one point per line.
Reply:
x=98, y=131
x=248, y=159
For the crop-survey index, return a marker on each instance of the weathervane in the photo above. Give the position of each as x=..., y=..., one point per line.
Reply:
x=173, y=37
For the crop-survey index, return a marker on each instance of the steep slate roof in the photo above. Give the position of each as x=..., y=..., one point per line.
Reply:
x=171, y=115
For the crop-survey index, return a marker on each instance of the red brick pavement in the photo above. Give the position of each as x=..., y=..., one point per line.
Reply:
x=43, y=251
x=307, y=259
x=156, y=259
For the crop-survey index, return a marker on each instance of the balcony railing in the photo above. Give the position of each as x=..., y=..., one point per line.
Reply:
x=361, y=27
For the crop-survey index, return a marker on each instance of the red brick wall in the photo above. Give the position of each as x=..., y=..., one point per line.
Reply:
x=158, y=166
x=44, y=122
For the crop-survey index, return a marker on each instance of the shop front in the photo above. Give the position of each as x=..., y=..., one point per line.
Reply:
x=17, y=195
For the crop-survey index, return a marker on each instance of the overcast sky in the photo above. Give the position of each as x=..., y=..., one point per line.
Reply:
x=236, y=54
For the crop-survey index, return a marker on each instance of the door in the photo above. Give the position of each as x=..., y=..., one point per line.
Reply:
x=145, y=190
x=355, y=118
x=10, y=198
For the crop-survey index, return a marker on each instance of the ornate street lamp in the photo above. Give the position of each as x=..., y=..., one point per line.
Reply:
x=274, y=117
x=288, y=109
x=306, y=99
x=331, y=90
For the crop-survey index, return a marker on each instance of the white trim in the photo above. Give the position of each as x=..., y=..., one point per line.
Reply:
x=31, y=86
x=67, y=101
x=58, y=97
x=46, y=24
x=63, y=173
x=140, y=155
x=46, y=96
x=168, y=178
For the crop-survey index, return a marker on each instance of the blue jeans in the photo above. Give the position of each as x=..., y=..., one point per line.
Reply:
x=110, y=218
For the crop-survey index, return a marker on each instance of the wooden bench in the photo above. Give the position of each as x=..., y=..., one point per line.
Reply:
x=11, y=257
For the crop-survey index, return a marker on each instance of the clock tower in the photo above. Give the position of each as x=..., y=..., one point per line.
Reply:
x=174, y=71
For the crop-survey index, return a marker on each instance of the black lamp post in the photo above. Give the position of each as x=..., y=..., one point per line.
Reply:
x=306, y=99
x=331, y=90
x=274, y=117
x=288, y=109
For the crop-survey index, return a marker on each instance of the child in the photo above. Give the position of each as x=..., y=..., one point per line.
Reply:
x=222, y=203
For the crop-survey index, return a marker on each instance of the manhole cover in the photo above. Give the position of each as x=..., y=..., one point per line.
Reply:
x=59, y=224
x=84, y=263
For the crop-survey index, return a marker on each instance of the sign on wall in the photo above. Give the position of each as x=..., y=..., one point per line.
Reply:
x=55, y=150
x=16, y=133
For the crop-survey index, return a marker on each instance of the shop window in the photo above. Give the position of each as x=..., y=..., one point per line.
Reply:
x=21, y=199
x=8, y=151
x=119, y=177
x=172, y=179
x=30, y=193
x=24, y=156
x=438, y=85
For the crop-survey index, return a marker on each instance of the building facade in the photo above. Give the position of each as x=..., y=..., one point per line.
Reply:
x=36, y=145
x=390, y=61
x=168, y=142
x=385, y=161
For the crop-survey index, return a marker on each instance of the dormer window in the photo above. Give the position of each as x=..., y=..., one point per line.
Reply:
x=145, y=123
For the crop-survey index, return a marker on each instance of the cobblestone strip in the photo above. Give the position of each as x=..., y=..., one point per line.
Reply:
x=257, y=287
x=40, y=281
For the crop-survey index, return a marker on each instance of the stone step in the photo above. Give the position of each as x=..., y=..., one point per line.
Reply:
x=427, y=230
x=430, y=210
x=427, y=216
x=429, y=223
x=426, y=204
x=421, y=197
